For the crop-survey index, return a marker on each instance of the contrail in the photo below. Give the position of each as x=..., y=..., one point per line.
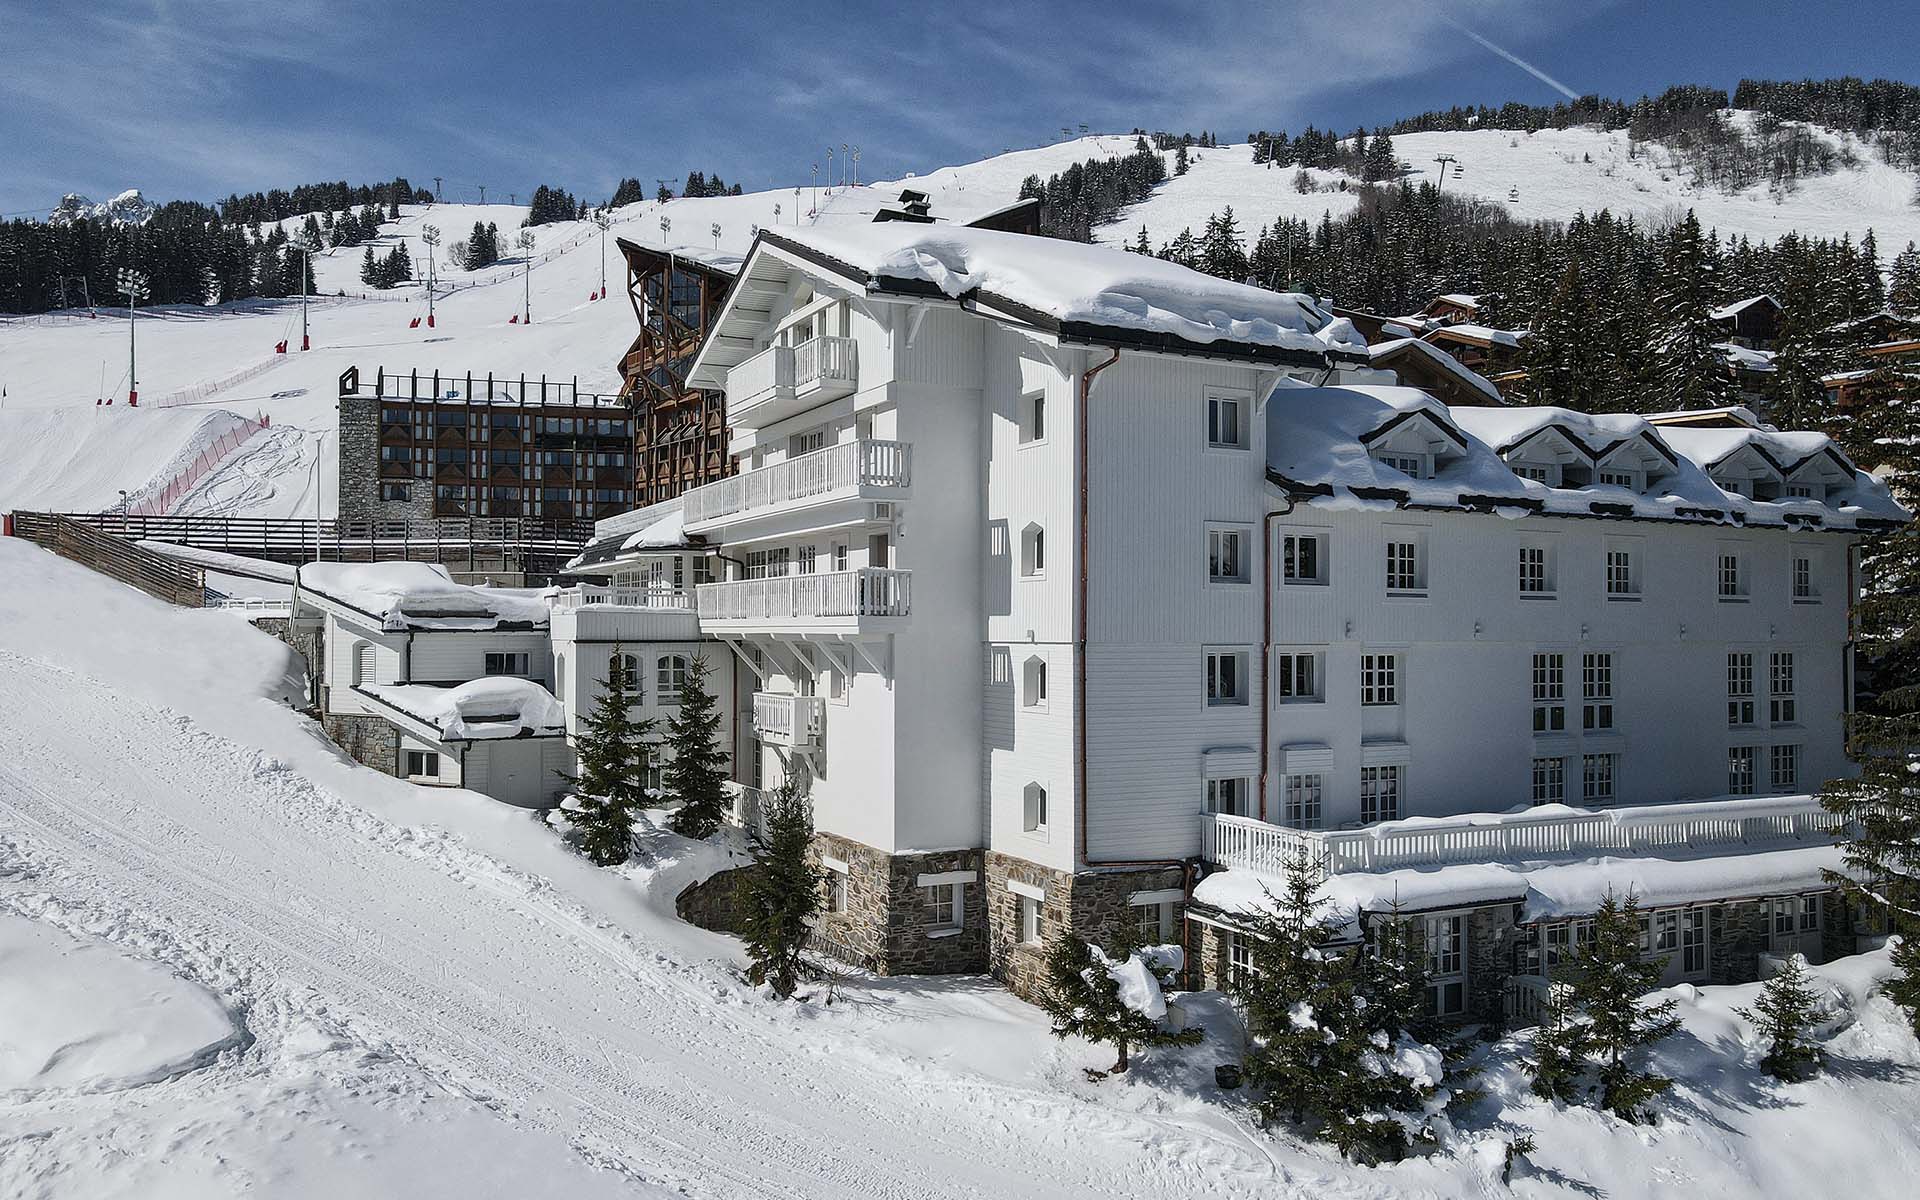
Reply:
x=1515, y=59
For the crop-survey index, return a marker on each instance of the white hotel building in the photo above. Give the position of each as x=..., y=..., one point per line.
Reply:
x=1081, y=586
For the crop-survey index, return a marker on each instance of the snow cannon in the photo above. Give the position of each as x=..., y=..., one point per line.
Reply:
x=306, y=343
x=514, y=320
x=414, y=324
x=280, y=347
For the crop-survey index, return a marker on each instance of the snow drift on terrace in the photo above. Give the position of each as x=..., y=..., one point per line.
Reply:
x=1097, y=285
x=221, y=561
x=80, y=459
x=668, y=531
x=1315, y=440
x=414, y=595
x=498, y=706
x=82, y=1016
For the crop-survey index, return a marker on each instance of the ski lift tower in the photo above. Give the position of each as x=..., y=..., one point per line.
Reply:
x=1443, y=160
x=525, y=243
x=303, y=242
x=134, y=286
x=602, y=219
x=430, y=237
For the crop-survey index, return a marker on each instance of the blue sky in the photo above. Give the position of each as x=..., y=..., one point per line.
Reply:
x=198, y=99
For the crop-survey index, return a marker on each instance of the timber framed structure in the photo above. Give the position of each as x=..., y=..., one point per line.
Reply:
x=680, y=432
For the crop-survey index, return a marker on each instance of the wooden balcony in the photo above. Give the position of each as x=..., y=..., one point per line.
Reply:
x=783, y=380
x=867, y=600
x=1707, y=827
x=861, y=470
x=796, y=722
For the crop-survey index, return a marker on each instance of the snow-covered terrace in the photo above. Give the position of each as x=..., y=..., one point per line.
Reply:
x=499, y=706
x=398, y=596
x=1321, y=441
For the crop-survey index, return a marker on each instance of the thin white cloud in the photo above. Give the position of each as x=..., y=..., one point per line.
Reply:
x=1516, y=60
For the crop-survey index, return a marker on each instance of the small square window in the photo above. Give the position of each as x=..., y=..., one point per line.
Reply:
x=1152, y=923
x=944, y=905
x=1303, y=559
x=1033, y=418
x=1226, y=677
x=1227, y=555
x=423, y=764
x=1226, y=422
x=1228, y=797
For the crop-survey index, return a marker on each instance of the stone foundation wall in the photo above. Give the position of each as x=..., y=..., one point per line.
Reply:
x=717, y=902
x=1491, y=935
x=1092, y=904
x=309, y=643
x=366, y=739
x=1736, y=937
x=887, y=928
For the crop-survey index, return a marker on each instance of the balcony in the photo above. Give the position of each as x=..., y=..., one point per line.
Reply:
x=867, y=600
x=862, y=470
x=783, y=380
x=591, y=613
x=796, y=722
x=1695, y=829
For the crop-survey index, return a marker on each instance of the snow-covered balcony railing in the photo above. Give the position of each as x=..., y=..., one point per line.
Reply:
x=1525, y=998
x=781, y=719
x=783, y=380
x=748, y=811
x=1727, y=825
x=863, y=470
x=840, y=600
x=585, y=595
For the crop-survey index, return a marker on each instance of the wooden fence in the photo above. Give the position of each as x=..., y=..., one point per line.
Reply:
x=115, y=557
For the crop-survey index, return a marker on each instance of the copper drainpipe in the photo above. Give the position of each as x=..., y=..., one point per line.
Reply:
x=1266, y=650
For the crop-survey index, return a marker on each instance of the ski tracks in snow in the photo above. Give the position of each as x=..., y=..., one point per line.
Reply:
x=131, y=823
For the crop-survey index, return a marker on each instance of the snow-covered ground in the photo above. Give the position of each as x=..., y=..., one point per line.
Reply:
x=434, y=997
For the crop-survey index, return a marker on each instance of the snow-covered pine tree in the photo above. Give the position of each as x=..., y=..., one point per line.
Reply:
x=1903, y=281
x=1290, y=977
x=1555, y=351
x=1141, y=245
x=1180, y=159
x=1184, y=250
x=1785, y=1014
x=1380, y=163
x=1085, y=998
x=782, y=891
x=1559, y=1046
x=1687, y=371
x=369, y=270
x=1221, y=254
x=696, y=776
x=1609, y=978
x=629, y=191
x=613, y=751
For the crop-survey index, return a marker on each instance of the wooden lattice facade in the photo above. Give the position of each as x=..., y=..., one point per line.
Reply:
x=680, y=433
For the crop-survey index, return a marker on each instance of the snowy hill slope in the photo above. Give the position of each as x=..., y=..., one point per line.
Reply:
x=1547, y=175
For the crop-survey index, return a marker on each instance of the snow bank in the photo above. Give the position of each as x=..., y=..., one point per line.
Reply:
x=1076, y=282
x=81, y=459
x=226, y=564
x=82, y=1016
x=1319, y=443
x=498, y=706
x=412, y=595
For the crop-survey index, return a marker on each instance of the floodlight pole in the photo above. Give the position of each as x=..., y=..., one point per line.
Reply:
x=525, y=242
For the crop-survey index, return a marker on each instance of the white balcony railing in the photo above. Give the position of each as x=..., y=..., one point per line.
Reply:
x=788, y=720
x=587, y=595
x=844, y=468
x=829, y=595
x=1702, y=826
x=823, y=367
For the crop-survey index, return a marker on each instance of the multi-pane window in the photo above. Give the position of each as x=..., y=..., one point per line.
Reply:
x=1228, y=797
x=1533, y=571
x=1596, y=691
x=505, y=664
x=1625, y=479
x=1446, y=965
x=1380, y=794
x=1403, y=567
x=1240, y=970
x=1780, y=700
x=1803, y=578
x=1549, y=693
x=1784, y=762
x=628, y=666
x=423, y=764
x=1549, y=781
x=1693, y=941
x=1226, y=555
x=1296, y=677
x=1303, y=801
x=1029, y=920
x=1739, y=689
x=1303, y=558
x=943, y=905
x=1740, y=771
x=1226, y=423
x=767, y=564
x=1406, y=464
x=670, y=679
x=1809, y=914
x=1597, y=772
x=1621, y=579
x=1538, y=472
x=1732, y=576
x=1379, y=679
x=1150, y=922
x=1226, y=677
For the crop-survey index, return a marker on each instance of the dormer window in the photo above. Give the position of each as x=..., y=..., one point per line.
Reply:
x=1805, y=491
x=1411, y=465
x=1547, y=473
x=1622, y=479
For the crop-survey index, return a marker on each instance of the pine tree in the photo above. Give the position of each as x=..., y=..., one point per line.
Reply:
x=1183, y=250
x=782, y=891
x=1180, y=159
x=1608, y=979
x=369, y=272
x=1289, y=979
x=1785, y=1015
x=613, y=751
x=1084, y=999
x=1220, y=253
x=1903, y=281
x=1559, y=1047
x=1379, y=159
x=1140, y=244
x=696, y=775
x=1688, y=371
x=628, y=192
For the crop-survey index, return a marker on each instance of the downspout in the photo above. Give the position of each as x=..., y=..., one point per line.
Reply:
x=1266, y=649
x=1082, y=434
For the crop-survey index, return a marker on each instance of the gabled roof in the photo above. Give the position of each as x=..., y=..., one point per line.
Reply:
x=1385, y=354
x=1078, y=292
x=1728, y=312
x=1478, y=335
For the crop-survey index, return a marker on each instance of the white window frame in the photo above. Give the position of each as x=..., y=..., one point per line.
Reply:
x=1743, y=770
x=1031, y=924
x=1783, y=768
x=1229, y=545
x=1783, y=706
x=944, y=905
x=1033, y=683
x=1414, y=466
x=1033, y=419
x=1304, y=799
x=1379, y=679
x=1742, y=707
x=1801, y=576
x=1240, y=965
x=1445, y=937
x=1033, y=551
x=670, y=678
x=1536, y=570
x=1404, y=559
x=1383, y=790
x=426, y=758
x=502, y=663
x=1033, y=808
x=1596, y=691
x=1549, y=692
x=1227, y=682
x=1299, y=677
x=1217, y=401
x=1549, y=780
x=1294, y=549
x=1600, y=779
x=1731, y=570
x=1621, y=569
x=1228, y=796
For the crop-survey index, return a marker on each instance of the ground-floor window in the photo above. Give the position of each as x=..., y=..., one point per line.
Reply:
x=1029, y=920
x=944, y=905
x=1446, y=964
x=1379, y=794
x=836, y=890
x=423, y=764
x=1693, y=941
x=1303, y=801
x=1152, y=923
x=1228, y=797
x=1549, y=781
x=1239, y=960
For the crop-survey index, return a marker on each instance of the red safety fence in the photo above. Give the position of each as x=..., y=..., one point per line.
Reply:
x=159, y=502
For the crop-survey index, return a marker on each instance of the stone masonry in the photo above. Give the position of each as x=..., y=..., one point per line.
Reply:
x=359, y=454
x=887, y=927
x=1092, y=904
x=367, y=740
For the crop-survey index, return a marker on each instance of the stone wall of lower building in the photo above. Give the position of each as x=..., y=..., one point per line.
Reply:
x=886, y=926
x=1094, y=905
x=308, y=641
x=359, y=474
x=1736, y=937
x=367, y=740
x=1491, y=936
x=717, y=902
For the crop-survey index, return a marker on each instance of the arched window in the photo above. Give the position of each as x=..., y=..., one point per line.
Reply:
x=672, y=678
x=625, y=667
x=1033, y=551
x=1034, y=809
x=1034, y=678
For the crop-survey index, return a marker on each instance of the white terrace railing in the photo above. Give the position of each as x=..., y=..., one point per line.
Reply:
x=845, y=467
x=788, y=720
x=865, y=592
x=1563, y=832
x=590, y=594
x=824, y=364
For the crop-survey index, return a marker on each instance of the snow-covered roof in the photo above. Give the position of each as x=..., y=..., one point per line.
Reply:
x=498, y=706
x=1546, y=891
x=666, y=532
x=1320, y=439
x=1082, y=292
x=415, y=595
x=1440, y=358
x=1743, y=358
x=1481, y=334
x=1730, y=311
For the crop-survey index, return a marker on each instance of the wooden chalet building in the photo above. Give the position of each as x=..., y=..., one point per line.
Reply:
x=679, y=432
x=1752, y=323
